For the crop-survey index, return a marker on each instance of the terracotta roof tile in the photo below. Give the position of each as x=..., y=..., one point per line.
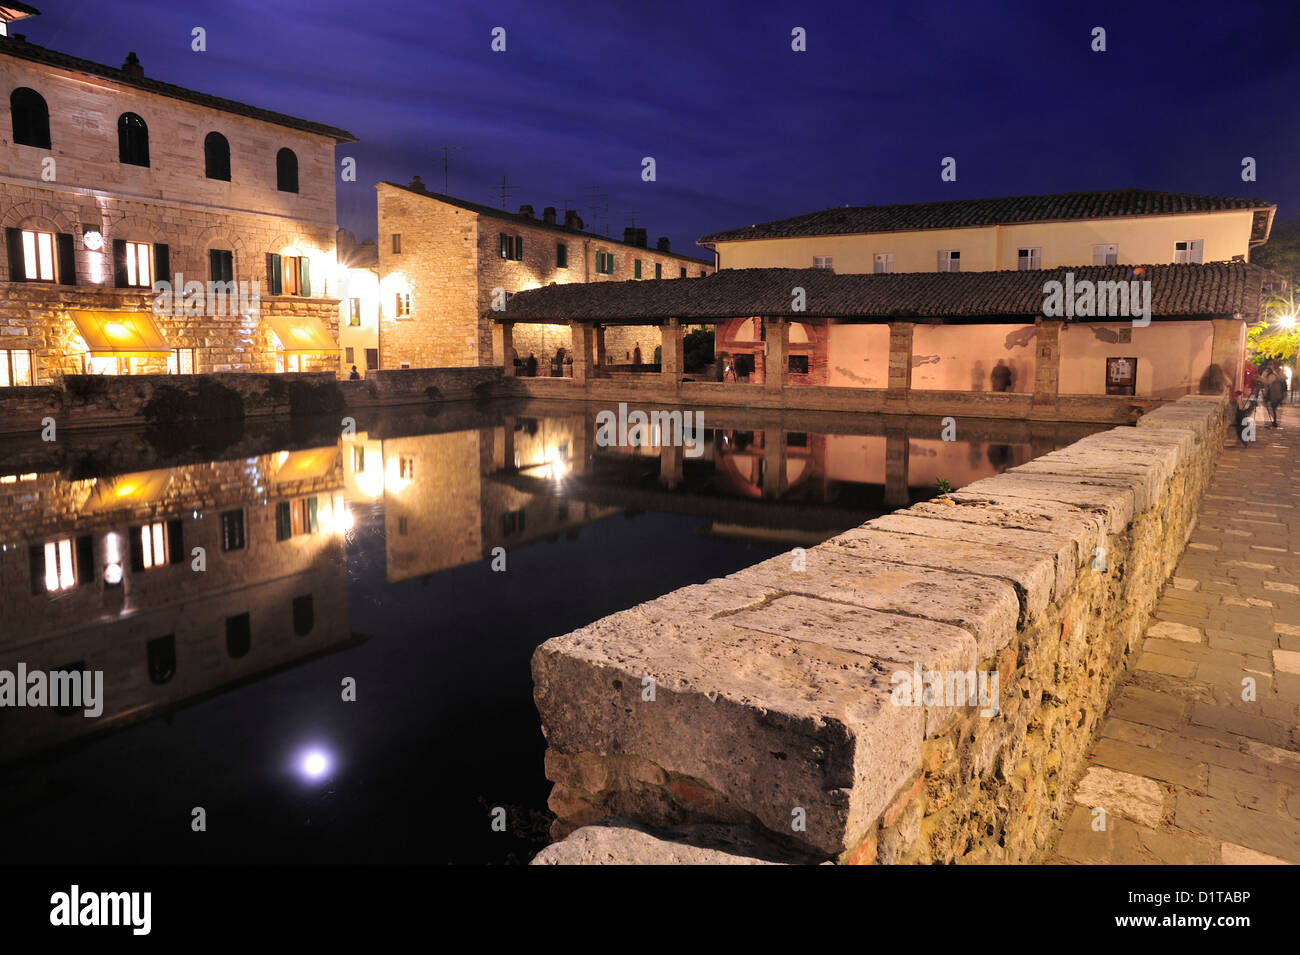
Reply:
x=963, y=213
x=1210, y=290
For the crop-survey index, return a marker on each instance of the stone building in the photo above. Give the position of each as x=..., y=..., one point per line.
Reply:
x=445, y=262
x=358, y=304
x=112, y=182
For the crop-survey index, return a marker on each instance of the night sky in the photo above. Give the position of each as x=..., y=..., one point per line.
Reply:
x=742, y=128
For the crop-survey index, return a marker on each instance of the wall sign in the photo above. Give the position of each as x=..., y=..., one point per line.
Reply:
x=1121, y=376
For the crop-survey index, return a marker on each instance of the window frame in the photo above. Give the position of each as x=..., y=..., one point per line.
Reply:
x=7, y=374
x=1029, y=259
x=132, y=140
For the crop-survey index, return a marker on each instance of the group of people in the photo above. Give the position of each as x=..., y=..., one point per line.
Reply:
x=1267, y=385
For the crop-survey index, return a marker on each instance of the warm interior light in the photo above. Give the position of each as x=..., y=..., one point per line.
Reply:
x=116, y=330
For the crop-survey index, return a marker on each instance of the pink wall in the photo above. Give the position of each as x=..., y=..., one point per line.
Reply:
x=1172, y=356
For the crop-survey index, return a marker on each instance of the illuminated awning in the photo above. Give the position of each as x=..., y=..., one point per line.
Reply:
x=128, y=490
x=305, y=465
x=120, y=333
x=301, y=334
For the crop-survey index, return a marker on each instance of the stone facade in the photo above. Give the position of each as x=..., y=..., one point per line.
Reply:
x=778, y=709
x=450, y=265
x=78, y=188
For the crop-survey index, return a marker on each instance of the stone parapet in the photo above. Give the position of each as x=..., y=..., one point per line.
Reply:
x=776, y=698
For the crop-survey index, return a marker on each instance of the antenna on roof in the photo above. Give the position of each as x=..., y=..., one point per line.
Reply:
x=505, y=189
x=599, y=200
x=446, y=164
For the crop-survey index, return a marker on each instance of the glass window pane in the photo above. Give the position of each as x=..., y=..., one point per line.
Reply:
x=22, y=368
x=29, y=255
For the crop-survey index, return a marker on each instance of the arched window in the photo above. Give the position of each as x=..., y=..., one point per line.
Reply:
x=216, y=157
x=286, y=171
x=132, y=140
x=31, y=118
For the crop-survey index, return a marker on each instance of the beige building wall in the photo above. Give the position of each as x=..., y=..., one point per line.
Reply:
x=1142, y=240
x=1173, y=357
x=858, y=355
x=362, y=285
x=962, y=357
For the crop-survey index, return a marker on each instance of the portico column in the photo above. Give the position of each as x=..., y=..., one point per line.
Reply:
x=778, y=346
x=671, y=352
x=507, y=445
x=1227, y=351
x=1047, y=363
x=773, y=462
x=897, y=447
x=900, y=363
x=670, y=465
x=508, y=347
x=580, y=349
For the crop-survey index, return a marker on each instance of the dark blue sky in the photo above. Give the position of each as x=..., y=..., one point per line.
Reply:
x=742, y=128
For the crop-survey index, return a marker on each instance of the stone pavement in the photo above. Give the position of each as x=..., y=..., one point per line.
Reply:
x=1189, y=766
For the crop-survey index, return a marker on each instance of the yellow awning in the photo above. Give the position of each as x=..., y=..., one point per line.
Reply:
x=306, y=465
x=128, y=490
x=120, y=333
x=301, y=334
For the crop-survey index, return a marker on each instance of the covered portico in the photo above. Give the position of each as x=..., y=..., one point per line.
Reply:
x=974, y=344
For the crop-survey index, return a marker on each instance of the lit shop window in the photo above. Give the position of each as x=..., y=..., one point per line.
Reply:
x=15, y=368
x=180, y=361
x=286, y=361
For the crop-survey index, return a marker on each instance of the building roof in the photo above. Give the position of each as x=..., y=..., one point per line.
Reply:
x=968, y=213
x=1177, y=291
x=12, y=46
x=493, y=213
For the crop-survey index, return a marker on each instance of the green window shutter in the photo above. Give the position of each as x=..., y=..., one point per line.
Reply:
x=17, y=263
x=519, y=248
x=313, y=524
x=561, y=255
x=67, y=259
x=305, y=284
x=214, y=265
x=638, y=268
x=274, y=280
x=659, y=270
x=504, y=242
x=162, y=262
x=283, y=521
x=119, y=263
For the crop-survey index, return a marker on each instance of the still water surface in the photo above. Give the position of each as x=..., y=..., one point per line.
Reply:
x=371, y=560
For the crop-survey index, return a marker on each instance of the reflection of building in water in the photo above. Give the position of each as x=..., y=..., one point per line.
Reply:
x=440, y=509
x=99, y=574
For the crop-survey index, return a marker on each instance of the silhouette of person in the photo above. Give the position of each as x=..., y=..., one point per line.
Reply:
x=1001, y=376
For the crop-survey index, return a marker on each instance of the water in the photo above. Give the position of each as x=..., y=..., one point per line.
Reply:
x=386, y=583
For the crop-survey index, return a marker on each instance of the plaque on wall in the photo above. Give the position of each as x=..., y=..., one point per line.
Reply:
x=1121, y=376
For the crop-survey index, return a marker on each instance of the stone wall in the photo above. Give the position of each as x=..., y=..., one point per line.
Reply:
x=775, y=699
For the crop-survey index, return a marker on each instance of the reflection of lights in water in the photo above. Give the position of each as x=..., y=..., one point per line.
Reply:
x=313, y=764
x=347, y=520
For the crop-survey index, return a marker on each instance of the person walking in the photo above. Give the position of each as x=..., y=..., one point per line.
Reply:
x=1244, y=403
x=354, y=375
x=1272, y=390
x=1001, y=376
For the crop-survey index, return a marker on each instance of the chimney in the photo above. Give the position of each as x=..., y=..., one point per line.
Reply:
x=572, y=220
x=417, y=184
x=629, y=236
x=640, y=238
x=548, y=215
x=526, y=211
x=132, y=67
x=662, y=244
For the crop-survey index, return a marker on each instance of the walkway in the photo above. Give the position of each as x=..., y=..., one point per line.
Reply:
x=1185, y=769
